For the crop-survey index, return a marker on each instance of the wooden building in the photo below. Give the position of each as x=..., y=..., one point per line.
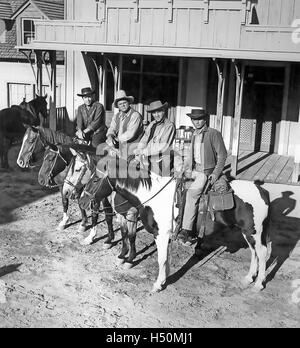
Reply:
x=19, y=69
x=237, y=58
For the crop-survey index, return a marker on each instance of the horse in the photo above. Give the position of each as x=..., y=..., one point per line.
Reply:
x=35, y=140
x=153, y=198
x=127, y=216
x=78, y=173
x=13, y=121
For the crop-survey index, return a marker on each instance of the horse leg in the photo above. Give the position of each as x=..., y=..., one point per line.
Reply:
x=65, y=202
x=249, y=279
x=109, y=221
x=84, y=220
x=91, y=237
x=131, y=218
x=124, y=232
x=261, y=252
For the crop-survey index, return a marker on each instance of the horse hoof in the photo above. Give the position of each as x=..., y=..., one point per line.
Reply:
x=258, y=287
x=120, y=262
x=107, y=246
x=82, y=229
x=127, y=266
x=156, y=289
x=247, y=281
x=87, y=241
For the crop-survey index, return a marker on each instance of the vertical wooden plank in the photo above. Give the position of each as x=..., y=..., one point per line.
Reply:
x=158, y=26
x=53, y=121
x=112, y=26
x=124, y=26
x=274, y=12
x=182, y=31
x=196, y=24
x=240, y=74
x=135, y=28
x=284, y=129
x=170, y=30
x=146, y=26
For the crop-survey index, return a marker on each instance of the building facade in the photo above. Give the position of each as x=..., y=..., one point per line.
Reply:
x=237, y=58
x=19, y=68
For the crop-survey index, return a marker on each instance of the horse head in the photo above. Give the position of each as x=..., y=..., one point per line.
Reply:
x=55, y=161
x=32, y=147
x=79, y=173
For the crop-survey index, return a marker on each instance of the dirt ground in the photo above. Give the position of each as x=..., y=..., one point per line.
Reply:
x=47, y=279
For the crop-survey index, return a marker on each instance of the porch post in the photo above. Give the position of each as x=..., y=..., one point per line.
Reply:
x=53, y=120
x=240, y=75
x=102, y=69
x=222, y=77
x=39, y=65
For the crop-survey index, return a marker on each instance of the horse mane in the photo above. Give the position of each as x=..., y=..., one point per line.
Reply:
x=116, y=165
x=55, y=137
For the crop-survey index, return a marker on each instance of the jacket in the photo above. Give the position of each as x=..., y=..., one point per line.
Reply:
x=214, y=153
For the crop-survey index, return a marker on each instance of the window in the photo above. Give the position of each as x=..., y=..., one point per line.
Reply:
x=28, y=30
x=18, y=92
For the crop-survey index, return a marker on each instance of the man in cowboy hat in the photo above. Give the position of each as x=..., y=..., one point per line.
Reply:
x=127, y=125
x=91, y=119
x=206, y=161
x=159, y=135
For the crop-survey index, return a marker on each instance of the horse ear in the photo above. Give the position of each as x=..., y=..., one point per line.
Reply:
x=46, y=96
x=74, y=152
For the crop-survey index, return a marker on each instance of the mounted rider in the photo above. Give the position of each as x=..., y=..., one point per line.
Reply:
x=206, y=161
x=156, y=144
x=126, y=127
x=91, y=119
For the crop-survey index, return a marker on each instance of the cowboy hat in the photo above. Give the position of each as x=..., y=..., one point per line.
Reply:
x=121, y=95
x=197, y=114
x=157, y=106
x=85, y=92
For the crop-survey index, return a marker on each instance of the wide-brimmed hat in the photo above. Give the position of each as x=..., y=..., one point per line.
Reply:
x=197, y=114
x=86, y=92
x=121, y=95
x=157, y=106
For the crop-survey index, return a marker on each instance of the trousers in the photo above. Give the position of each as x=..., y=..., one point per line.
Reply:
x=192, y=197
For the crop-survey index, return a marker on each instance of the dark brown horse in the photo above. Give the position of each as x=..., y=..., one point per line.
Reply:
x=13, y=121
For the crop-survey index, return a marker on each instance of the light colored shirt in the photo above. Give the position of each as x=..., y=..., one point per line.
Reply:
x=133, y=129
x=198, y=148
x=162, y=140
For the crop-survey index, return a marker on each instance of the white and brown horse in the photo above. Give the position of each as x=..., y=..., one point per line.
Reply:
x=153, y=198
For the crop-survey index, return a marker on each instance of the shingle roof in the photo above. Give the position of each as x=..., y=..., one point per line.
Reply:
x=5, y=10
x=7, y=49
x=51, y=9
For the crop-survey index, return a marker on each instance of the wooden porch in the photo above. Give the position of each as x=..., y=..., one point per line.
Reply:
x=266, y=167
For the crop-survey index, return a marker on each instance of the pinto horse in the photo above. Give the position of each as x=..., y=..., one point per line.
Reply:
x=13, y=121
x=57, y=162
x=154, y=199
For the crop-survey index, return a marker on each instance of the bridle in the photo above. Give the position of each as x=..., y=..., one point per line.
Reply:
x=82, y=174
x=57, y=155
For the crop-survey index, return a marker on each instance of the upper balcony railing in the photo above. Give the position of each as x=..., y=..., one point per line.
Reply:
x=182, y=31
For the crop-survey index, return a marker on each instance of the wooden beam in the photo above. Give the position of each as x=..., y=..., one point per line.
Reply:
x=222, y=76
x=53, y=120
x=240, y=76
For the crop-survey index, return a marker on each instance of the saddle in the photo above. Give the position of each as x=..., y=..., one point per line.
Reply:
x=216, y=198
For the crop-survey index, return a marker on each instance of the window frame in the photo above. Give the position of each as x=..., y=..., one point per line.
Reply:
x=23, y=19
